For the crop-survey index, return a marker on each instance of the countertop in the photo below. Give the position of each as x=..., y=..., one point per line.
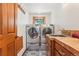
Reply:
x=72, y=44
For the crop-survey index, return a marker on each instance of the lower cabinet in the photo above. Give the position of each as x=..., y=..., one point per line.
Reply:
x=59, y=49
x=48, y=46
x=18, y=44
x=54, y=48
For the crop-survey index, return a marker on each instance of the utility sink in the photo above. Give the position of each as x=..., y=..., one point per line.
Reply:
x=58, y=35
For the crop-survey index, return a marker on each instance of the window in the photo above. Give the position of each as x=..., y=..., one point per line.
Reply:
x=38, y=20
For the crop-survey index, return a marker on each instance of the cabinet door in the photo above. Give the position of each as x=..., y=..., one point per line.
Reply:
x=18, y=44
x=11, y=49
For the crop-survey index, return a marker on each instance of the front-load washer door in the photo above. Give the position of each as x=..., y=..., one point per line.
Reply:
x=33, y=33
x=47, y=30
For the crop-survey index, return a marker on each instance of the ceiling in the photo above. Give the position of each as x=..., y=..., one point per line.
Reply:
x=39, y=8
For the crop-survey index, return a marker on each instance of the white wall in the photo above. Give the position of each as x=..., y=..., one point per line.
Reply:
x=71, y=16
x=22, y=20
x=57, y=18
x=41, y=9
x=65, y=16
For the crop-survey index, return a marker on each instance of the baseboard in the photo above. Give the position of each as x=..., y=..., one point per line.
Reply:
x=21, y=52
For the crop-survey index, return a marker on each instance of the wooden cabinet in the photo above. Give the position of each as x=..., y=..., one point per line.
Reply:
x=48, y=46
x=60, y=46
x=62, y=50
x=18, y=44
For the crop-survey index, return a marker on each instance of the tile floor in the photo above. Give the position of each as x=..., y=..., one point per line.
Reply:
x=35, y=50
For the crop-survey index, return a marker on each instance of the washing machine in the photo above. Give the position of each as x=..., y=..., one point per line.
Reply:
x=46, y=29
x=32, y=34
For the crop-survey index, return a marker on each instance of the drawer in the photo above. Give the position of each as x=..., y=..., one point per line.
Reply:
x=58, y=47
x=62, y=50
x=66, y=52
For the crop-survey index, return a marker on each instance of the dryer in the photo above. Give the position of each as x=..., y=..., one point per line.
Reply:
x=32, y=34
x=46, y=29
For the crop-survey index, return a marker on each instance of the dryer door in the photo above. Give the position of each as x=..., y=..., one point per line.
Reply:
x=47, y=30
x=33, y=33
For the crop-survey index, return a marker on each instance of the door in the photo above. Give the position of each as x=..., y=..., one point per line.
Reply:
x=9, y=27
x=8, y=13
x=3, y=18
